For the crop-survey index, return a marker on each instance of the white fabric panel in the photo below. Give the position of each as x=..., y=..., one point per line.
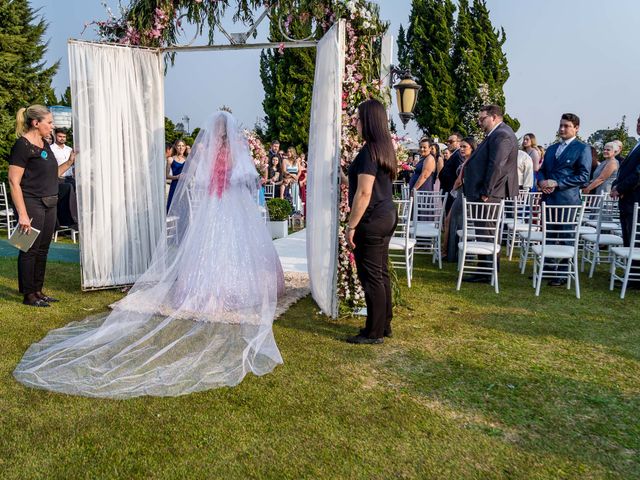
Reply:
x=118, y=127
x=323, y=166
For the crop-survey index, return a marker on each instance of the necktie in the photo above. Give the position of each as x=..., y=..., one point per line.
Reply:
x=561, y=148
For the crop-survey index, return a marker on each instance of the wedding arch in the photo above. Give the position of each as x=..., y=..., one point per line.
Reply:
x=118, y=103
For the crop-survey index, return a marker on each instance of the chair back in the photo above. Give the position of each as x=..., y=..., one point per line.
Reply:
x=428, y=207
x=561, y=224
x=609, y=214
x=396, y=189
x=403, y=229
x=404, y=192
x=7, y=218
x=269, y=190
x=484, y=219
x=592, y=203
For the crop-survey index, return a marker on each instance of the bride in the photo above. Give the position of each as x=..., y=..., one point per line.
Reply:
x=201, y=315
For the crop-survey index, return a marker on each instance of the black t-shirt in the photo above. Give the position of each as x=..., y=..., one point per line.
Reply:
x=40, y=178
x=382, y=194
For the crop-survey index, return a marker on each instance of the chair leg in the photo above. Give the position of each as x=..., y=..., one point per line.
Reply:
x=612, y=271
x=495, y=272
x=461, y=254
x=627, y=271
x=575, y=270
x=538, y=279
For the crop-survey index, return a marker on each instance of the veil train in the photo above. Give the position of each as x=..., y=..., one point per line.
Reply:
x=201, y=315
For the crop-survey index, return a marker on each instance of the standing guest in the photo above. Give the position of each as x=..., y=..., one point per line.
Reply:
x=62, y=152
x=619, y=156
x=530, y=145
x=302, y=182
x=274, y=151
x=175, y=164
x=373, y=218
x=525, y=170
x=424, y=175
x=436, y=152
x=33, y=176
x=491, y=174
x=274, y=175
x=595, y=160
x=292, y=170
x=605, y=174
x=449, y=172
x=627, y=189
x=67, y=210
x=446, y=154
x=454, y=220
x=565, y=169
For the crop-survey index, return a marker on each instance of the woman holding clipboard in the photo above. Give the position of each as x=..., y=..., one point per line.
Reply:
x=33, y=177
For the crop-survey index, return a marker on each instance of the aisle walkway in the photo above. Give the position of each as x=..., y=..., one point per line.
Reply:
x=292, y=251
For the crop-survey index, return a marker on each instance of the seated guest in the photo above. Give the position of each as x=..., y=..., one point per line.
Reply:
x=424, y=176
x=606, y=172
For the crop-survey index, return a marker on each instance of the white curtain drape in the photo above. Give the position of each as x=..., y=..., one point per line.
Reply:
x=323, y=168
x=118, y=130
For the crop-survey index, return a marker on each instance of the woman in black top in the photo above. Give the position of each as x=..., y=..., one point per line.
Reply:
x=373, y=218
x=33, y=176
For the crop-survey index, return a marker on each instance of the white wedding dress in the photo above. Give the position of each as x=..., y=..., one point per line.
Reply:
x=201, y=316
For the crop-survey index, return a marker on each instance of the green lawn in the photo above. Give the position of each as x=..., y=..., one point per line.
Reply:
x=473, y=385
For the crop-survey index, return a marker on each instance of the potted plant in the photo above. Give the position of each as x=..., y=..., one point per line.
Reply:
x=279, y=210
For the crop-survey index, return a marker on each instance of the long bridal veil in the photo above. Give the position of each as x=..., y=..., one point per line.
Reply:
x=201, y=315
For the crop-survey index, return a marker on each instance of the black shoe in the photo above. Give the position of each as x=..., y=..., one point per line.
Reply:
x=387, y=333
x=557, y=282
x=477, y=279
x=46, y=298
x=32, y=300
x=360, y=340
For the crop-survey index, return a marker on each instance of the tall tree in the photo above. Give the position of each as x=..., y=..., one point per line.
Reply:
x=403, y=49
x=467, y=72
x=287, y=78
x=494, y=66
x=25, y=80
x=429, y=38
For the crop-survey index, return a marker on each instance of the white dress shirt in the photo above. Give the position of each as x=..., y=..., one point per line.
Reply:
x=62, y=154
x=564, y=144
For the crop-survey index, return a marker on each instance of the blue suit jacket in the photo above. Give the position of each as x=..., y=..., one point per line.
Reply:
x=571, y=170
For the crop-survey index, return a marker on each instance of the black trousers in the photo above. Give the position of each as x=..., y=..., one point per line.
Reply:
x=32, y=264
x=626, y=222
x=371, y=254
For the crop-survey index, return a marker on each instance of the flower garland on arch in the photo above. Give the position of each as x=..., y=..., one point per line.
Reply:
x=159, y=23
x=258, y=152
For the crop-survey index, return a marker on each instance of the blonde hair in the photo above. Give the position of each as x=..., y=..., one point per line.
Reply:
x=25, y=116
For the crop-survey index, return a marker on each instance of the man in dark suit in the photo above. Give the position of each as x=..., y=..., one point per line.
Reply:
x=449, y=172
x=491, y=174
x=627, y=188
x=566, y=168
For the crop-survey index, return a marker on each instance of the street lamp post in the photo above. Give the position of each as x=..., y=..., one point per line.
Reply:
x=406, y=92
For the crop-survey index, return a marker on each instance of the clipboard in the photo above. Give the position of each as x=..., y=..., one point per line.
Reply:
x=23, y=241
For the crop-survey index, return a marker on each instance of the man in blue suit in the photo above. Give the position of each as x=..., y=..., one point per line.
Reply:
x=565, y=170
x=627, y=189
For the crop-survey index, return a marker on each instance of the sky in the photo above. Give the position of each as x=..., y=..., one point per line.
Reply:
x=578, y=56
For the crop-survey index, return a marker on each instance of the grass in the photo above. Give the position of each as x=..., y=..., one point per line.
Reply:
x=472, y=386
